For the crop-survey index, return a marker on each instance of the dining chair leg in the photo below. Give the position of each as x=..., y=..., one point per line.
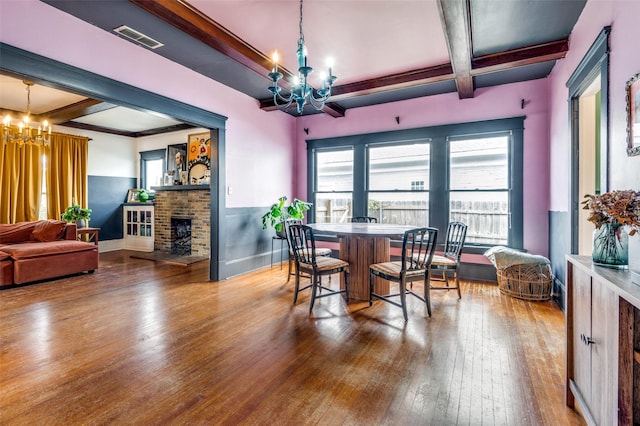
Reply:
x=403, y=298
x=427, y=292
x=370, y=289
x=346, y=285
x=289, y=271
x=295, y=291
x=457, y=284
x=314, y=287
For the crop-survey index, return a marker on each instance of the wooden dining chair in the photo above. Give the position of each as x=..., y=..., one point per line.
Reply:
x=305, y=254
x=415, y=265
x=320, y=251
x=364, y=219
x=449, y=262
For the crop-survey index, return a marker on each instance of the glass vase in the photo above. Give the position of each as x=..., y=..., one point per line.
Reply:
x=611, y=246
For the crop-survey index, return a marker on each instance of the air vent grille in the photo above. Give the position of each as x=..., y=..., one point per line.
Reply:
x=137, y=37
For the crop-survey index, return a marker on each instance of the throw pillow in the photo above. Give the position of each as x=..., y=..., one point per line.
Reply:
x=48, y=230
x=16, y=232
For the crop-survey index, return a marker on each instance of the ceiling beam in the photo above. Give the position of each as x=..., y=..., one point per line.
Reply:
x=76, y=110
x=520, y=57
x=185, y=17
x=128, y=133
x=454, y=15
x=100, y=129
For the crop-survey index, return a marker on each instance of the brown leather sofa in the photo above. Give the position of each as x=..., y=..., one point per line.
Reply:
x=34, y=251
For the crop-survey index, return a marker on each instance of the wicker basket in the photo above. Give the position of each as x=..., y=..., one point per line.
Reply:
x=530, y=281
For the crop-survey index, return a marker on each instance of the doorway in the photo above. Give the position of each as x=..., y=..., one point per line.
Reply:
x=61, y=76
x=588, y=110
x=589, y=170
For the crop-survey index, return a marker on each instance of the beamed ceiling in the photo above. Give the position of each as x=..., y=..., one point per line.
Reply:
x=384, y=51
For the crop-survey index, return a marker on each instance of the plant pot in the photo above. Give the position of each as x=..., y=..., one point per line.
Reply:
x=82, y=223
x=282, y=233
x=611, y=246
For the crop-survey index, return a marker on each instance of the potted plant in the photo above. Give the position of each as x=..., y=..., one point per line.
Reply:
x=279, y=212
x=77, y=214
x=610, y=212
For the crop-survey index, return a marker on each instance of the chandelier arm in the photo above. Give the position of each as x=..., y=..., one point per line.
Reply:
x=317, y=104
x=322, y=98
x=287, y=101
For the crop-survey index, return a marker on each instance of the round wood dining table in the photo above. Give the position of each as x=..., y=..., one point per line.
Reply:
x=363, y=244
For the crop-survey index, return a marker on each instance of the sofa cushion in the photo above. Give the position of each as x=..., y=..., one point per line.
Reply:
x=37, y=249
x=48, y=230
x=4, y=255
x=16, y=232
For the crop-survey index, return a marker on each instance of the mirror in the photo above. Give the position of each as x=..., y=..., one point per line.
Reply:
x=633, y=115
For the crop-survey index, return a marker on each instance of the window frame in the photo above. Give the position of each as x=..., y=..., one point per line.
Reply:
x=156, y=154
x=509, y=187
x=368, y=189
x=438, y=137
x=315, y=191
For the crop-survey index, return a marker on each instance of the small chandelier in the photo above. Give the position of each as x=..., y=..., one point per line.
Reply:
x=301, y=92
x=25, y=129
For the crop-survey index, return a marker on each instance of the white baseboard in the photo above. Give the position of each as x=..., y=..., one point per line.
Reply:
x=110, y=245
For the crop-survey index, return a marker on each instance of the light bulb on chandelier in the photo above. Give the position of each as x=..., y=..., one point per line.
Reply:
x=301, y=92
x=25, y=129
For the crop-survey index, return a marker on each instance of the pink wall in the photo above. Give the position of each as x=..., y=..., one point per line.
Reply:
x=488, y=103
x=258, y=143
x=624, y=171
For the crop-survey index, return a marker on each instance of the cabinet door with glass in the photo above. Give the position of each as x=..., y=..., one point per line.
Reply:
x=138, y=227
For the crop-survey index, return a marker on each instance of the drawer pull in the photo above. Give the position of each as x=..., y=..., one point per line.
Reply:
x=586, y=339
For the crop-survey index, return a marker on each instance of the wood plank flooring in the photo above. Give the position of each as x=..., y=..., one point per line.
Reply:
x=140, y=342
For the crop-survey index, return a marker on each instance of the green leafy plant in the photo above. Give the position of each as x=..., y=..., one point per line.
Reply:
x=75, y=213
x=279, y=212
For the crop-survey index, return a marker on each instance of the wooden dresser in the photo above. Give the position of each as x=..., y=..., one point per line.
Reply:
x=603, y=343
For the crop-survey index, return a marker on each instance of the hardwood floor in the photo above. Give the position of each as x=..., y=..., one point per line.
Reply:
x=140, y=342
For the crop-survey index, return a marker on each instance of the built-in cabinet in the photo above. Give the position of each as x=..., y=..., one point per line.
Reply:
x=602, y=359
x=138, y=227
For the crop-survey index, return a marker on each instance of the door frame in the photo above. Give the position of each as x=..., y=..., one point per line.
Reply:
x=49, y=72
x=594, y=63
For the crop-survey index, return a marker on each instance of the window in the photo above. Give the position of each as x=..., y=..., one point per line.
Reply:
x=397, y=176
x=470, y=172
x=334, y=186
x=479, y=188
x=152, y=168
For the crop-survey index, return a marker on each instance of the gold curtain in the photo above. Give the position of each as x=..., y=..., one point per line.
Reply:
x=21, y=169
x=21, y=165
x=67, y=179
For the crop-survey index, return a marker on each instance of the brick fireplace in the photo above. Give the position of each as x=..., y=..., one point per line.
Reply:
x=189, y=202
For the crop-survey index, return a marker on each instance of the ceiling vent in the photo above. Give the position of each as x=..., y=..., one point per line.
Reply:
x=137, y=37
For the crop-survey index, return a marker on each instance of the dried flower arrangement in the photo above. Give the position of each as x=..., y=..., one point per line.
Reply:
x=615, y=207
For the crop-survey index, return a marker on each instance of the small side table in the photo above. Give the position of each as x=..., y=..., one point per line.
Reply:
x=89, y=235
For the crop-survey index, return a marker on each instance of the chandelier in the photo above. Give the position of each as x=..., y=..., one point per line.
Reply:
x=301, y=92
x=25, y=128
